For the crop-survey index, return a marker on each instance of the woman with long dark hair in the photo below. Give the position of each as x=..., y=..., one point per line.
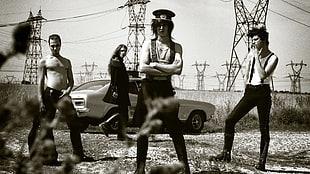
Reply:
x=119, y=82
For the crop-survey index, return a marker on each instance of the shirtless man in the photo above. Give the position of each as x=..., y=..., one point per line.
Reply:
x=56, y=81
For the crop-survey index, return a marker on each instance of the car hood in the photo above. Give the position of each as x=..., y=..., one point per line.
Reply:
x=81, y=93
x=194, y=102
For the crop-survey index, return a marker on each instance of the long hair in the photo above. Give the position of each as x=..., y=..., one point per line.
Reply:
x=116, y=53
x=155, y=23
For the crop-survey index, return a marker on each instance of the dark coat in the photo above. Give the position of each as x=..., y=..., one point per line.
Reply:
x=120, y=79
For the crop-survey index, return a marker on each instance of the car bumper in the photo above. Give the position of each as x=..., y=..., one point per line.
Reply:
x=82, y=110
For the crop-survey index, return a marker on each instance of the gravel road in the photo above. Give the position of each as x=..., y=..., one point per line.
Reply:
x=289, y=152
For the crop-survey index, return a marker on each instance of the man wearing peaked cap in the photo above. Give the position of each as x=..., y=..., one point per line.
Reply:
x=161, y=58
x=163, y=14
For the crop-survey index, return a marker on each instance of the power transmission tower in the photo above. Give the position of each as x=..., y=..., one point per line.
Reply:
x=244, y=21
x=221, y=78
x=136, y=33
x=181, y=80
x=34, y=53
x=89, y=72
x=200, y=75
x=295, y=77
x=103, y=75
x=228, y=67
x=10, y=78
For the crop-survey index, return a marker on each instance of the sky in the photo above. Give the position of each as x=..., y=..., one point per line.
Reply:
x=204, y=28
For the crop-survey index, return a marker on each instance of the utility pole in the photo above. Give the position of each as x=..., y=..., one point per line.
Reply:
x=200, y=75
x=295, y=77
x=136, y=33
x=244, y=22
x=34, y=53
x=10, y=78
x=181, y=80
x=103, y=75
x=89, y=72
x=221, y=78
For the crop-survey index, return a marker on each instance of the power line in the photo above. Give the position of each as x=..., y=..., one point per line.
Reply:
x=94, y=41
x=94, y=37
x=67, y=18
x=291, y=19
x=296, y=6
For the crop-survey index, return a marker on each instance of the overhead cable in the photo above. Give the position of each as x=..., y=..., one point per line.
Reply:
x=291, y=19
x=67, y=18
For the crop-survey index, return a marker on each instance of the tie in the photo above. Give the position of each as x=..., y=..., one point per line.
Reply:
x=252, y=70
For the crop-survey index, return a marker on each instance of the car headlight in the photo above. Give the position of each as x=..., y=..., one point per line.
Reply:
x=79, y=102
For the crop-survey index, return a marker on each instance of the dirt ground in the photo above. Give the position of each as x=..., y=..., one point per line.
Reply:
x=289, y=152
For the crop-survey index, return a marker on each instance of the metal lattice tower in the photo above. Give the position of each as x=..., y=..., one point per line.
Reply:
x=295, y=77
x=34, y=53
x=181, y=81
x=200, y=75
x=244, y=21
x=221, y=78
x=136, y=33
x=89, y=72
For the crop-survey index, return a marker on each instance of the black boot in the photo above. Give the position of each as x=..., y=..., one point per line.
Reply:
x=225, y=155
x=142, y=146
x=264, y=145
x=263, y=157
x=179, y=144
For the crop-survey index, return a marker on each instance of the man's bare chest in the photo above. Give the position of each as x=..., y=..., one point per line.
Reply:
x=56, y=65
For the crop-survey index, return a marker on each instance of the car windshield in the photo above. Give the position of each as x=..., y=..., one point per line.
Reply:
x=93, y=85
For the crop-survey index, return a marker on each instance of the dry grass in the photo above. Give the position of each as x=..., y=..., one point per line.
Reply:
x=288, y=111
x=112, y=154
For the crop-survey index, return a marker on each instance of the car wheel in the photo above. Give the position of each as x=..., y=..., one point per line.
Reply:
x=195, y=122
x=113, y=126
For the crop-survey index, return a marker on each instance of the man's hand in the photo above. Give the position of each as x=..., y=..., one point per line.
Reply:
x=257, y=53
x=64, y=93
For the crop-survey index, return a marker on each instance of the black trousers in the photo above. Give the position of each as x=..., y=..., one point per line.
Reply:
x=152, y=89
x=260, y=97
x=75, y=124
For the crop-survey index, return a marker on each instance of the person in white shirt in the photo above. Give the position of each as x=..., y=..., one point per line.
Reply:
x=261, y=65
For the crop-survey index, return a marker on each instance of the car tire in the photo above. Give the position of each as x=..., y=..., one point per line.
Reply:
x=195, y=122
x=113, y=123
x=113, y=126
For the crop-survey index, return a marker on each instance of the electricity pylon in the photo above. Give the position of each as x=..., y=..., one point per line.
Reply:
x=221, y=78
x=200, y=75
x=181, y=81
x=34, y=53
x=136, y=33
x=295, y=77
x=89, y=72
x=245, y=20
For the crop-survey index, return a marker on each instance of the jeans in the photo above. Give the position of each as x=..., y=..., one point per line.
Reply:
x=260, y=97
x=75, y=124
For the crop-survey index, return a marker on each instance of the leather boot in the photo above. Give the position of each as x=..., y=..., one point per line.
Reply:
x=142, y=146
x=225, y=155
x=263, y=157
x=264, y=145
x=179, y=144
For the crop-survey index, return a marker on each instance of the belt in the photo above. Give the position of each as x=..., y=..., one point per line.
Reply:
x=257, y=86
x=55, y=91
x=158, y=77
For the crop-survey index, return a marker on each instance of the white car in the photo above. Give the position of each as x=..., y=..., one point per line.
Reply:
x=87, y=99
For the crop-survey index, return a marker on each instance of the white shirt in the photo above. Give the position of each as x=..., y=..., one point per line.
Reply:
x=255, y=78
